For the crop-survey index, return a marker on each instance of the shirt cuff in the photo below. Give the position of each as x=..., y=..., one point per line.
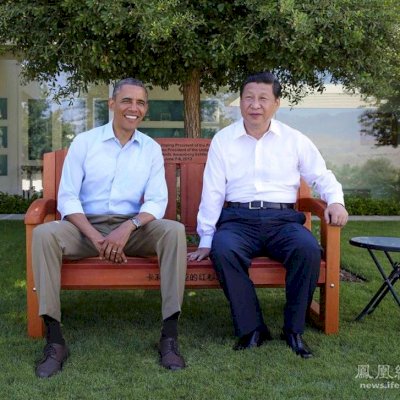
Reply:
x=71, y=207
x=206, y=241
x=154, y=209
x=335, y=199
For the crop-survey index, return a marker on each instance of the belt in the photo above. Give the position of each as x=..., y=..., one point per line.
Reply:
x=260, y=205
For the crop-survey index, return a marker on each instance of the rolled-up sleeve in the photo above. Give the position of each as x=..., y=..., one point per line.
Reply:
x=71, y=180
x=156, y=192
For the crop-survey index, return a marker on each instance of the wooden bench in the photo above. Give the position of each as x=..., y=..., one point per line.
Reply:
x=184, y=165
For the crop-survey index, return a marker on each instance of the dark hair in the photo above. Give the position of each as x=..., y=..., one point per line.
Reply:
x=264, y=77
x=128, y=81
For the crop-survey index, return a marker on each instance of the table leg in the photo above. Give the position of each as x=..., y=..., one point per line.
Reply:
x=389, y=281
x=379, y=295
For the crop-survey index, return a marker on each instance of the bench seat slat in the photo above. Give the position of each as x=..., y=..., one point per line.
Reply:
x=90, y=273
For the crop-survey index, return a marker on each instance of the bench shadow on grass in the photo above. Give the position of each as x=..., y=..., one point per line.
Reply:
x=205, y=316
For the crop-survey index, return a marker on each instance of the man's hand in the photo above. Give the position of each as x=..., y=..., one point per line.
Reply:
x=113, y=244
x=336, y=214
x=83, y=224
x=200, y=254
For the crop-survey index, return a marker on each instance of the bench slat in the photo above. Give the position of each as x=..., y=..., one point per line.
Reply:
x=90, y=273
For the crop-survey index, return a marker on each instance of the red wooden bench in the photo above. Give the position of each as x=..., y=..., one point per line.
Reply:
x=184, y=165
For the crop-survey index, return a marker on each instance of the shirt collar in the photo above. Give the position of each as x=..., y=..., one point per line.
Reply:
x=108, y=133
x=275, y=127
x=241, y=131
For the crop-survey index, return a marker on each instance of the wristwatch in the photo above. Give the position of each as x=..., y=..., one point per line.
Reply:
x=136, y=221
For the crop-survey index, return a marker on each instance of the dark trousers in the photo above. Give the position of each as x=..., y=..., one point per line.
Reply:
x=279, y=234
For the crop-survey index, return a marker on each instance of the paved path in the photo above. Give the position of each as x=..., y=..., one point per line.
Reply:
x=374, y=218
x=12, y=216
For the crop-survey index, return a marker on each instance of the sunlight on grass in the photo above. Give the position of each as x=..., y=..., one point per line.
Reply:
x=20, y=283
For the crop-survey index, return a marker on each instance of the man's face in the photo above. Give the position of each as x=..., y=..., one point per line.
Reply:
x=129, y=107
x=258, y=105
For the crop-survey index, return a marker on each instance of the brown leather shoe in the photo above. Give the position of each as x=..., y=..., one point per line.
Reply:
x=54, y=355
x=169, y=354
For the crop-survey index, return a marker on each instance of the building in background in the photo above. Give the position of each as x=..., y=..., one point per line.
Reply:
x=32, y=124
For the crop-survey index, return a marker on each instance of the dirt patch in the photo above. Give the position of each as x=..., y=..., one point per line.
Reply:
x=348, y=276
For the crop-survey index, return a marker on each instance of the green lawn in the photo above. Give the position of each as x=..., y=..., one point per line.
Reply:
x=112, y=337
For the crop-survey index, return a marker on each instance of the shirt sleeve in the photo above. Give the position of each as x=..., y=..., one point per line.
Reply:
x=314, y=171
x=71, y=180
x=213, y=195
x=156, y=192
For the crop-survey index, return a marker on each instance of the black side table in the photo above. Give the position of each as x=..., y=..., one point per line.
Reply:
x=385, y=244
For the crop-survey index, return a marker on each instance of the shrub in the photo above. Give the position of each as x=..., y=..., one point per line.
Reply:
x=14, y=203
x=356, y=205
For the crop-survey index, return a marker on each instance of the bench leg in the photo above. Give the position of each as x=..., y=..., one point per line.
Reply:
x=35, y=323
x=325, y=314
x=330, y=298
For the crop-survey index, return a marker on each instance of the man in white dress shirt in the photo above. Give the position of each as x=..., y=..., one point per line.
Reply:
x=112, y=197
x=255, y=166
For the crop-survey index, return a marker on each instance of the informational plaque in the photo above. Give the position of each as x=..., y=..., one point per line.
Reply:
x=182, y=150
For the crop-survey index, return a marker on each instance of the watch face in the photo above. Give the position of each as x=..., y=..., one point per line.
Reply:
x=136, y=222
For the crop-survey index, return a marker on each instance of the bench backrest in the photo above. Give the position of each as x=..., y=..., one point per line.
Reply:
x=184, y=159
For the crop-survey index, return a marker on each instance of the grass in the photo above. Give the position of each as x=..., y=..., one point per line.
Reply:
x=112, y=337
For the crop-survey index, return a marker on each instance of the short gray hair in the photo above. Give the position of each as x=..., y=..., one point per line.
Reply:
x=128, y=81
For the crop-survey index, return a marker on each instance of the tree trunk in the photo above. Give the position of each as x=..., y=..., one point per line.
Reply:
x=191, y=104
x=395, y=130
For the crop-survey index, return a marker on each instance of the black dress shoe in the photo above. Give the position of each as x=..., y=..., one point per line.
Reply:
x=297, y=344
x=170, y=357
x=54, y=356
x=253, y=339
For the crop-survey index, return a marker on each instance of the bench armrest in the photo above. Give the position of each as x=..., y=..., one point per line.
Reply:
x=314, y=206
x=329, y=234
x=39, y=210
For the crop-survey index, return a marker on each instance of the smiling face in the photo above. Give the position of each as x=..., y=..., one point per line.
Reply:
x=258, y=105
x=130, y=107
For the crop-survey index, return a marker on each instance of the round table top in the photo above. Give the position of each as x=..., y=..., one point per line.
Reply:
x=377, y=242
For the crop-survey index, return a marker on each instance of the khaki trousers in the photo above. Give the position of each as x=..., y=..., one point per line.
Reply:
x=55, y=240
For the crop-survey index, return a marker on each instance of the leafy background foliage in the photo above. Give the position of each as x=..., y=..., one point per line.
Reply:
x=163, y=41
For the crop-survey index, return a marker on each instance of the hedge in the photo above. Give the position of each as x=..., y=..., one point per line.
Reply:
x=367, y=206
x=15, y=204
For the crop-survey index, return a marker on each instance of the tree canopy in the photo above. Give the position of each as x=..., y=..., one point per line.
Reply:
x=383, y=123
x=204, y=44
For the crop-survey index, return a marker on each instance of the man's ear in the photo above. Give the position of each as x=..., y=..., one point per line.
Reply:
x=111, y=103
